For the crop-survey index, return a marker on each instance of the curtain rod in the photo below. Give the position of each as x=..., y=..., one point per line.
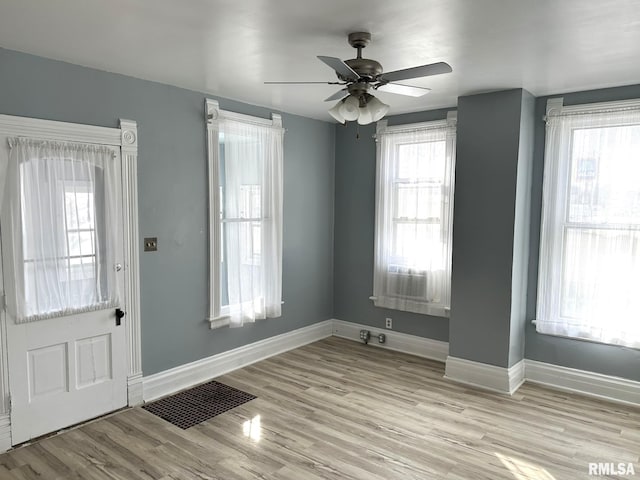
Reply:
x=592, y=112
x=243, y=119
x=391, y=130
x=555, y=108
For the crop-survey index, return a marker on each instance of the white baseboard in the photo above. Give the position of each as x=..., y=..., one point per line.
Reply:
x=606, y=387
x=184, y=376
x=487, y=377
x=134, y=390
x=517, y=376
x=5, y=432
x=400, y=342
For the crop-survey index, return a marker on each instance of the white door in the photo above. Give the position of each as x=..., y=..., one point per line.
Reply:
x=67, y=369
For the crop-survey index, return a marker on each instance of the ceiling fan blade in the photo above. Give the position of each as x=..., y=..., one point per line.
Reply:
x=340, y=67
x=416, y=72
x=300, y=83
x=403, y=89
x=337, y=96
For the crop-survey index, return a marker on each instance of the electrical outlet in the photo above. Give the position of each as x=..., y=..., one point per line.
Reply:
x=388, y=323
x=150, y=244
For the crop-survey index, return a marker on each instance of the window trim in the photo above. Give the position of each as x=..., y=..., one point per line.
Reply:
x=410, y=304
x=218, y=316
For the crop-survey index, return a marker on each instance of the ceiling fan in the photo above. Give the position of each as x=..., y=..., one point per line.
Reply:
x=361, y=75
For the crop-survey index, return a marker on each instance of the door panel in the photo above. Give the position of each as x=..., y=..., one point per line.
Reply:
x=68, y=369
x=47, y=367
x=93, y=360
x=75, y=370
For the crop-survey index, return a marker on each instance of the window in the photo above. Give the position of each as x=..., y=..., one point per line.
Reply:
x=79, y=231
x=62, y=255
x=589, y=275
x=70, y=258
x=251, y=228
x=414, y=207
x=245, y=167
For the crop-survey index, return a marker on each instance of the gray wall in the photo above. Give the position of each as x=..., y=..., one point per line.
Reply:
x=173, y=206
x=521, y=230
x=354, y=233
x=600, y=358
x=488, y=147
x=172, y=181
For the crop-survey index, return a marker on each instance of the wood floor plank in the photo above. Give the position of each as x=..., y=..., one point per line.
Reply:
x=340, y=410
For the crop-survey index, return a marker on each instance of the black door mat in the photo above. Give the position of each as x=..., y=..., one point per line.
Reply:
x=194, y=406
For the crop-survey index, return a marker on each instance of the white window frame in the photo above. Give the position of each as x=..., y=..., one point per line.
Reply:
x=407, y=303
x=218, y=315
x=555, y=189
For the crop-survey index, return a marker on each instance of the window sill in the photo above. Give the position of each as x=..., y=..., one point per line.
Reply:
x=411, y=306
x=629, y=345
x=218, y=322
x=224, y=319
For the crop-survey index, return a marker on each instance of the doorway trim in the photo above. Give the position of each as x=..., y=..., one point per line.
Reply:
x=126, y=138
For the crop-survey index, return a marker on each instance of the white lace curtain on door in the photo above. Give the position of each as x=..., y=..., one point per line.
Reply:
x=60, y=206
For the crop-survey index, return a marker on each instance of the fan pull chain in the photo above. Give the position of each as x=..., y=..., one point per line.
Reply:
x=358, y=132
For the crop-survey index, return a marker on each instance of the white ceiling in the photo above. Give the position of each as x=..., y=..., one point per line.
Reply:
x=229, y=47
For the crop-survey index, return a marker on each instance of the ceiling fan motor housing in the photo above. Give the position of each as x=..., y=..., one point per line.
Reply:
x=366, y=68
x=358, y=89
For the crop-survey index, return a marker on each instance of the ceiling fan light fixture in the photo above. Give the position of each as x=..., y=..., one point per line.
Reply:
x=335, y=113
x=378, y=109
x=365, y=116
x=364, y=109
x=350, y=108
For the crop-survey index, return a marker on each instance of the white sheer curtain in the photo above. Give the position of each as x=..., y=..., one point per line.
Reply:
x=414, y=202
x=251, y=181
x=60, y=244
x=589, y=279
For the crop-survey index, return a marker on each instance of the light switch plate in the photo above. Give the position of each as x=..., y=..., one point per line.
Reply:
x=151, y=244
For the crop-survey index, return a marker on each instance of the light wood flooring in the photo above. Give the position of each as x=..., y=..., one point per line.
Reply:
x=337, y=409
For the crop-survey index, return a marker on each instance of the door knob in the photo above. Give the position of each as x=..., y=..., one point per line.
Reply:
x=119, y=314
